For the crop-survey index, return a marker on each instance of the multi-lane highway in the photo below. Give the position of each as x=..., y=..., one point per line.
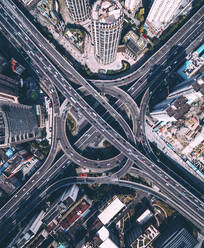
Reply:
x=21, y=32
x=123, y=145
x=102, y=165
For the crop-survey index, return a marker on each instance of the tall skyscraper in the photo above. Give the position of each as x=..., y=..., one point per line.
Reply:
x=18, y=123
x=107, y=22
x=192, y=88
x=79, y=10
x=161, y=14
x=131, y=4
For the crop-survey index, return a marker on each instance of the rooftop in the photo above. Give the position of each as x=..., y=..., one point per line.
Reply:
x=110, y=211
x=193, y=63
x=108, y=243
x=103, y=233
x=178, y=107
x=75, y=214
x=145, y=216
x=132, y=46
x=106, y=11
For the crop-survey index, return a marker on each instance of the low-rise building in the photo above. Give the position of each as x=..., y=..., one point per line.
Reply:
x=142, y=232
x=134, y=45
x=107, y=239
x=38, y=240
x=16, y=67
x=111, y=211
x=145, y=238
x=143, y=218
x=74, y=214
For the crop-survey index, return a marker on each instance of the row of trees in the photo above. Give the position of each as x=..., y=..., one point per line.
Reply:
x=172, y=28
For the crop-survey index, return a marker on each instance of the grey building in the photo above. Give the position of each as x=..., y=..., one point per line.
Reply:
x=29, y=231
x=79, y=10
x=192, y=88
x=132, y=234
x=3, y=63
x=107, y=23
x=9, y=89
x=18, y=123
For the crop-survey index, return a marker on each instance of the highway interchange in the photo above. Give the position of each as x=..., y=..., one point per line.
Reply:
x=21, y=32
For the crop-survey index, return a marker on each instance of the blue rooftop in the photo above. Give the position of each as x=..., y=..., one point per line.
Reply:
x=200, y=49
x=61, y=246
x=182, y=68
x=9, y=153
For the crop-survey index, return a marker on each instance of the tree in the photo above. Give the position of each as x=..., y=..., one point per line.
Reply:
x=44, y=143
x=149, y=46
x=142, y=10
x=140, y=15
x=43, y=133
x=106, y=143
x=155, y=41
x=141, y=30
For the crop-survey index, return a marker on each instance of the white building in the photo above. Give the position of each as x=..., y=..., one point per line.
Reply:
x=143, y=218
x=110, y=211
x=79, y=10
x=27, y=2
x=107, y=241
x=131, y=5
x=107, y=22
x=161, y=14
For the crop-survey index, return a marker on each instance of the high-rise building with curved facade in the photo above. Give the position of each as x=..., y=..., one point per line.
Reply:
x=79, y=10
x=107, y=23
